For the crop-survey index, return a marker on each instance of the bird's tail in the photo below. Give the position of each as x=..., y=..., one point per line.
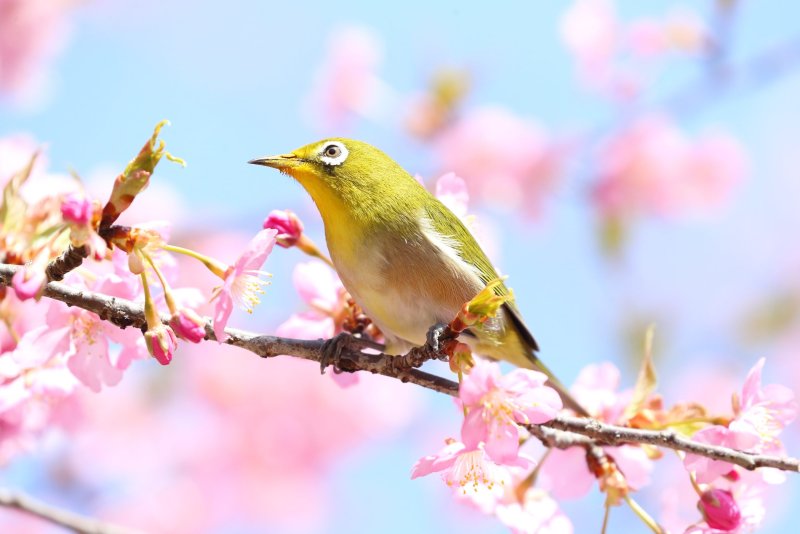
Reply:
x=531, y=360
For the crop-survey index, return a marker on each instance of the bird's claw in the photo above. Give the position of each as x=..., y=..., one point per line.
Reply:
x=434, y=337
x=431, y=350
x=332, y=350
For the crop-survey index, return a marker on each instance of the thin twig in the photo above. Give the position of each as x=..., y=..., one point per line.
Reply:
x=606, y=434
x=58, y=516
x=562, y=432
x=69, y=260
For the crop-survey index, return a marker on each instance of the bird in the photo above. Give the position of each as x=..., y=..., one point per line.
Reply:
x=404, y=257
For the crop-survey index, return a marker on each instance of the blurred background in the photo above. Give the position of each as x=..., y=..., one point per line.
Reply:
x=627, y=164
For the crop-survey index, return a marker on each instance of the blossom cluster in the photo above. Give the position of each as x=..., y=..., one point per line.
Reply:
x=47, y=349
x=488, y=468
x=485, y=467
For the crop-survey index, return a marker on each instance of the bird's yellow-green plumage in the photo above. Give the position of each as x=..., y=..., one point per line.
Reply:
x=406, y=259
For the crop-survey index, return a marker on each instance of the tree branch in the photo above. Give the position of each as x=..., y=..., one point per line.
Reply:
x=562, y=432
x=57, y=516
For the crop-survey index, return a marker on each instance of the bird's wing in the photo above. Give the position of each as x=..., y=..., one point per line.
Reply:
x=447, y=223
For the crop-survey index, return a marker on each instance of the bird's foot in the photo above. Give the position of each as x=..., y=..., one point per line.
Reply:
x=339, y=344
x=431, y=350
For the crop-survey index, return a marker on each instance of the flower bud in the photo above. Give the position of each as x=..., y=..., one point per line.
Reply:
x=161, y=343
x=188, y=325
x=135, y=262
x=29, y=282
x=461, y=358
x=288, y=225
x=720, y=510
x=77, y=209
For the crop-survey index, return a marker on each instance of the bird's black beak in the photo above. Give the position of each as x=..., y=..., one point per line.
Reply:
x=281, y=162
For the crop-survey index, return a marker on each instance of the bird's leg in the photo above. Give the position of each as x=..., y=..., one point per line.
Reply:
x=343, y=342
x=431, y=350
x=434, y=336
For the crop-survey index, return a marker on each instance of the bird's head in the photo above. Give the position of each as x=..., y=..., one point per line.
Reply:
x=355, y=173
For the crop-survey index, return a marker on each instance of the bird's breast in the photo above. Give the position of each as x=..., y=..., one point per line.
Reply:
x=405, y=281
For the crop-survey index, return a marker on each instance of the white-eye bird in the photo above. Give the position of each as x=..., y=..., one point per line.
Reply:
x=405, y=258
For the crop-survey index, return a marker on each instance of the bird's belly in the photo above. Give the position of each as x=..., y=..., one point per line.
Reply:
x=405, y=291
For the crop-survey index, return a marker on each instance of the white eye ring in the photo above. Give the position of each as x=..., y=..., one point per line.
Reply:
x=334, y=153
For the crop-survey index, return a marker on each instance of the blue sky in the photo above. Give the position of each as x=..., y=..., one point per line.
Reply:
x=233, y=79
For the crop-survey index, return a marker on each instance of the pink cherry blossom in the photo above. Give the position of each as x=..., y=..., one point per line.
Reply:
x=89, y=351
x=651, y=167
x=708, y=470
x=89, y=354
x=161, y=343
x=720, y=510
x=347, y=83
x=596, y=389
x=764, y=411
x=77, y=209
x=533, y=511
x=28, y=282
x=495, y=404
x=469, y=470
x=188, y=325
x=242, y=281
x=504, y=159
x=566, y=476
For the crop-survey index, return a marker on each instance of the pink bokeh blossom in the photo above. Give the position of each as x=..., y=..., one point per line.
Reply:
x=322, y=291
x=451, y=190
x=32, y=32
x=219, y=468
x=590, y=30
x=538, y=513
x=651, y=167
x=504, y=159
x=347, y=83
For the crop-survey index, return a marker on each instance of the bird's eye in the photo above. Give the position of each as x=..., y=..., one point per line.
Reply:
x=333, y=154
x=333, y=151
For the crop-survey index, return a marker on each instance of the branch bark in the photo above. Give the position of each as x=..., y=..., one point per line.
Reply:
x=562, y=432
x=57, y=516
